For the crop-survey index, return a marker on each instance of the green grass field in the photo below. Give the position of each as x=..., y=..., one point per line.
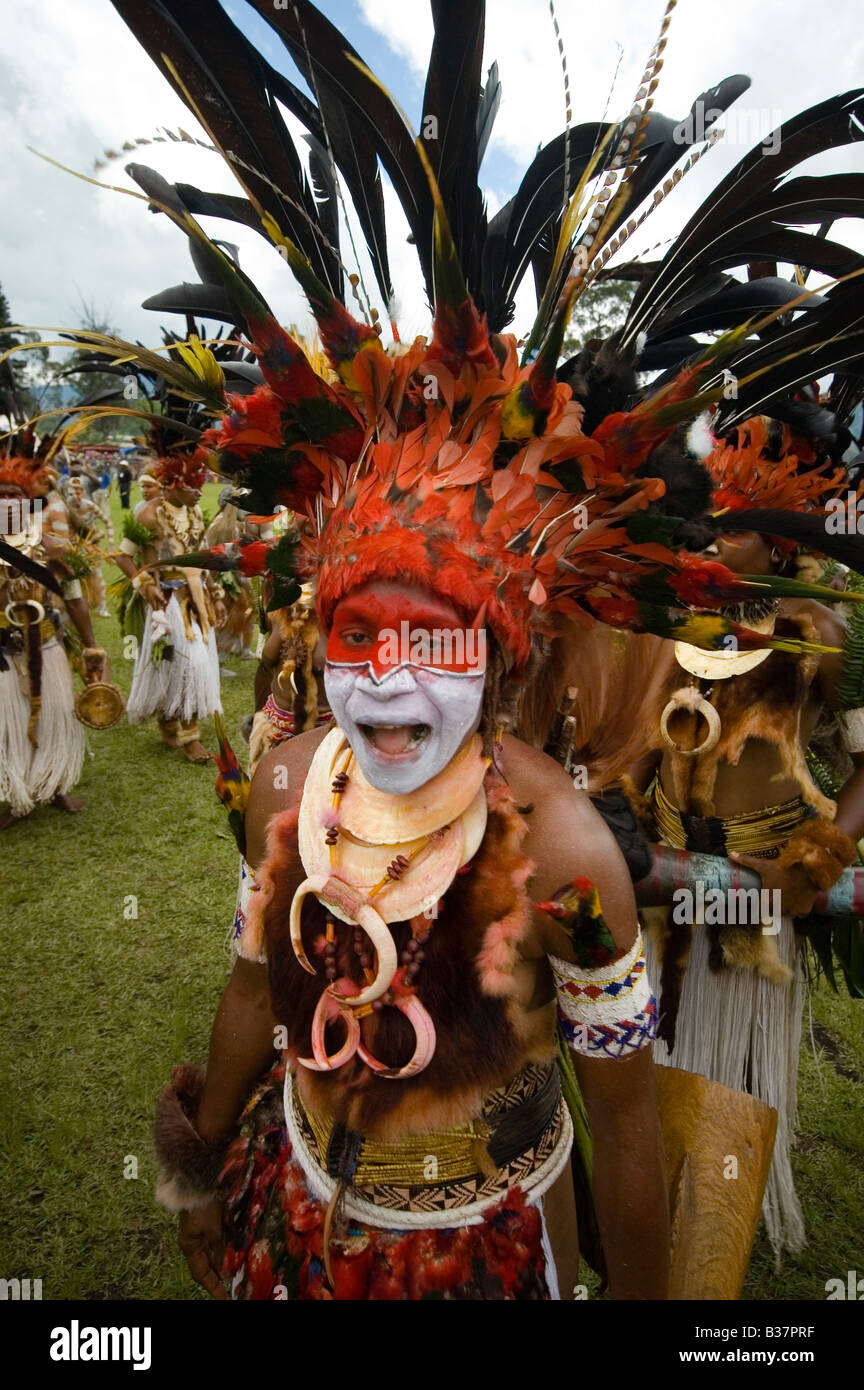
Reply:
x=97, y=1003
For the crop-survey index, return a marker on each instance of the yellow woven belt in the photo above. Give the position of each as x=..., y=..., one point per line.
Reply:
x=754, y=832
x=447, y=1155
x=46, y=627
x=521, y=1109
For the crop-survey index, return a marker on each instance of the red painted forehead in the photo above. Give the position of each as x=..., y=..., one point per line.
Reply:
x=388, y=624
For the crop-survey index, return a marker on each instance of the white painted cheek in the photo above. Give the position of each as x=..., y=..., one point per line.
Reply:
x=459, y=700
x=338, y=685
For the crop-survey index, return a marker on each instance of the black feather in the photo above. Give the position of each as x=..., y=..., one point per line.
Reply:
x=744, y=214
x=805, y=528
x=208, y=301
x=23, y=563
x=228, y=85
x=362, y=124
x=451, y=102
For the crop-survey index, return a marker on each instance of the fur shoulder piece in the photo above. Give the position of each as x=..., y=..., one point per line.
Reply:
x=468, y=983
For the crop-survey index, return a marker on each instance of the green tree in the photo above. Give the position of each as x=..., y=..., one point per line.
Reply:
x=19, y=391
x=72, y=388
x=601, y=309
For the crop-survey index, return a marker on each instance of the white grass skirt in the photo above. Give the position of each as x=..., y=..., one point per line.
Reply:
x=31, y=776
x=187, y=686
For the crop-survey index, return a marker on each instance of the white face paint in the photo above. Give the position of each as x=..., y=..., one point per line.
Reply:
x=406, y=727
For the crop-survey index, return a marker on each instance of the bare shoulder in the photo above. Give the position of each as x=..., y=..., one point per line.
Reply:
x=827, y=621
x=277, y=786
x=831, y=632
x=148, y=516
x=567, y=838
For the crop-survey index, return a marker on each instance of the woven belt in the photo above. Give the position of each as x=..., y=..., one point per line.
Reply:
x=761, y=833
x=420, y=1191
x=451, y=1155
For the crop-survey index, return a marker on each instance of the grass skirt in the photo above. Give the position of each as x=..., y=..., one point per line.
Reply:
x=31, y=776
x=187, y=686
x=274, y=1232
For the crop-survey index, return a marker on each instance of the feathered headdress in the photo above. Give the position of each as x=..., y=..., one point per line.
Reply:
x=521, y=492
x=25, y=460
x=769, y=480
x=448, y=464
x=759, y=467
x=25, y=474
x=184, y=470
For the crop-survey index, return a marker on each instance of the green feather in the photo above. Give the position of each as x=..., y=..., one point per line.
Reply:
x=581, y=1162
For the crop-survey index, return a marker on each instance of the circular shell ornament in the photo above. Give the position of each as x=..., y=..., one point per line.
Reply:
x=690, y=699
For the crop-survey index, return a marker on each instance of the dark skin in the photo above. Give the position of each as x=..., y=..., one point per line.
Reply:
x=758, y=779
x=566, y=837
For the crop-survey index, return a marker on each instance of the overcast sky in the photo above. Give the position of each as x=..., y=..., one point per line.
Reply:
x=75, y=82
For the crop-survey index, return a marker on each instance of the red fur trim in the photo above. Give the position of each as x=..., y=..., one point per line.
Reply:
x=496, y=961
x=281, y=852
x=499, y=954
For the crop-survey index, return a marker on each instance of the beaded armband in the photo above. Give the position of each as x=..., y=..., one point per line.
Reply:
x=605, y=1004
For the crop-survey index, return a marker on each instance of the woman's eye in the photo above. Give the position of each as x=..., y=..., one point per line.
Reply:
x=356, y=639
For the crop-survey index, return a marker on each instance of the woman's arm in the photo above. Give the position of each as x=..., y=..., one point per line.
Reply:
x=568, y=838
x=241, y=1048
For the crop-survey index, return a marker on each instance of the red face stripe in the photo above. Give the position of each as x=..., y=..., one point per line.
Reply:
x=386, y=626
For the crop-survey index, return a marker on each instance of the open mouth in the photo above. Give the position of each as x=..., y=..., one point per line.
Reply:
x=394, y=739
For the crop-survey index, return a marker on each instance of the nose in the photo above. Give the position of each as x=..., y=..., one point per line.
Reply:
x=398, y=682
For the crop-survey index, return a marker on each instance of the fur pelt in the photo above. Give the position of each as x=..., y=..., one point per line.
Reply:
x=822, y=850
x=688, y=482
x=765, y=703
x=743, y=948
x=603, y=378
x=673, y=941
x=190, y=1165
x=468, y=983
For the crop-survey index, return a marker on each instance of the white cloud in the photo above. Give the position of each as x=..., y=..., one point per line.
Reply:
x=75, y=81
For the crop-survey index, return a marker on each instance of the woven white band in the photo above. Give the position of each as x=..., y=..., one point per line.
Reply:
x=609, y=1011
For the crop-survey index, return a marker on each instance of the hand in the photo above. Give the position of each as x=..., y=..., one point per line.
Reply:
x=220, y=612
x=97, y=666
x=152, y=594
x=797, y=890
x=200, y=1237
